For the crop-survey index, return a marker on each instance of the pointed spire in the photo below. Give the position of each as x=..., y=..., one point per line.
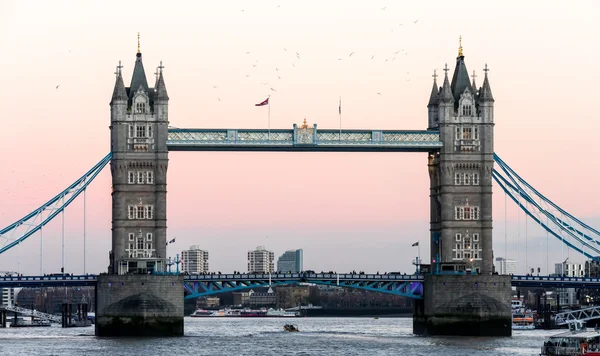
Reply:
x=460, y=78
x=473, y=76
x=119, y=92
x=139, y=76
x=485, y=93
x=160, y=90
x=433, y=98
x=139, y=52
x=446, y=94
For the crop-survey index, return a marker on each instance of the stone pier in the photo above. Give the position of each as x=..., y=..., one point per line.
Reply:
x=139, y=305
x=471, y=305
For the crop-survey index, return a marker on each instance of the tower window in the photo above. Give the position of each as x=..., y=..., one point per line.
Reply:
x=131, y=236
x=457, y=132
x=475, y=178
x=149, y=130
x=149, y=236
x=131, y=179
x=131, y=133
x=458, y=236
x=140, y=108
x=467, y=110
x=141, y=212
x=466, y=212
x=457, y=179
x=475, y=237
x=476, y=133
x=148, y=211
x=140, y=177
x=467, y=178
x=140, y=131
x=467, y=133
x=150, y=177
x=132, y=211
x=475, y=213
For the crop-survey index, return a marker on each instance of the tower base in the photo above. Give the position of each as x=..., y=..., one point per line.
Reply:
x=472, y=305
x=139, y=305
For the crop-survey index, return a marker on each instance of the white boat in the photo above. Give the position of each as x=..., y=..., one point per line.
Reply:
x=578, y=341
x=281, y=313
x=202, y=313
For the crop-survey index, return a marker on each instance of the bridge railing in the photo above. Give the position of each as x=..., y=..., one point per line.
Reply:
x=313, y=276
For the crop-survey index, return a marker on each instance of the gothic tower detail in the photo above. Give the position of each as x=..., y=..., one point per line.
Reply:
x=460, y=172
x=139, y=128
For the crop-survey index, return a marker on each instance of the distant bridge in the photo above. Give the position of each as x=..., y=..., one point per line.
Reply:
x=581, y=314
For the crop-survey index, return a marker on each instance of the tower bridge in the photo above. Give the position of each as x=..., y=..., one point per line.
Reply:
x=459, y=146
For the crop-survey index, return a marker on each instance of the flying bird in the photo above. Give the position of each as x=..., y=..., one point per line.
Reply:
x=247, y=75
x=57, y=86
x=219, y=99
x=254, y=65
x=279, y=77
x=247, y=52
x=293, y=64
x=416, y=21
x=378, y=93
x=339, y=59
x=277, y=69
x=373, y=57
x=351, y=54
x=215, y=87
x=273, y=89
x=396, y=52
x=285, y=49
x=385, y=7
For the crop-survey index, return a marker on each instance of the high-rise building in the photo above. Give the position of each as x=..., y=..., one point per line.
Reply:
x=261, y=260
x=505, y=266
x=195, y=260
x=290, y=261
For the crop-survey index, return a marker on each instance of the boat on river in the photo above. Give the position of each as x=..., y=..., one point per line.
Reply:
x=578, y=341
x=291, y=328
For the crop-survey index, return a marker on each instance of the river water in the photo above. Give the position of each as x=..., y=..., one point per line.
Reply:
x=265, y=336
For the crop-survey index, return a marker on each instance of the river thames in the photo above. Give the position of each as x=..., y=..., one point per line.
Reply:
x=265, y=336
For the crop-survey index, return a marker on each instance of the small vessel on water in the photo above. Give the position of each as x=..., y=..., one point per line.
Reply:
x=199, y=313
x=523, y=322
x=291, y=328
x=578, y=341
x=30, y=324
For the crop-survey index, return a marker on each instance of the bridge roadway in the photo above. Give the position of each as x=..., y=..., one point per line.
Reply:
x=201, y=285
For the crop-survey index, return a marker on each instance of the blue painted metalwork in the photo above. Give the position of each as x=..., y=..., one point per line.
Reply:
x=409, y=286
x=17, y=232
x=559, y=223
x=302, y=138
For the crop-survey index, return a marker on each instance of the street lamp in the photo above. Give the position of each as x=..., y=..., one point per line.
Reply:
x=471, y=260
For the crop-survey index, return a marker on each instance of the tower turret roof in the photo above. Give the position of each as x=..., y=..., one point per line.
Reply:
x=434, y=98
x=485, y=92
x=446, y=93
x=119, y=92
x=160, y=89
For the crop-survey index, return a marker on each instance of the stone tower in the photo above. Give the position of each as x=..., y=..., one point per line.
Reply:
x=461, y=172
x=138, y=124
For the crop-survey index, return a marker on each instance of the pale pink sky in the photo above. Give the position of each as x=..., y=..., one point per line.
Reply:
x=348, y=211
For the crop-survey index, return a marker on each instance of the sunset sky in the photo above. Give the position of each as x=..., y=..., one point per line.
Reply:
x=348, y=211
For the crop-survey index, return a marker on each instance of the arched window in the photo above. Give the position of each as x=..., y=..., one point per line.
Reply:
x=467, y=110
x=140, y=108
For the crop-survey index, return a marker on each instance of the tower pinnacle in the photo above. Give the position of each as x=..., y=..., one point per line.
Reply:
x=460, y=51
x=139, y=44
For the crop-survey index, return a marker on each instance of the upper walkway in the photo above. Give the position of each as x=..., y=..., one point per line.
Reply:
x=304, y=139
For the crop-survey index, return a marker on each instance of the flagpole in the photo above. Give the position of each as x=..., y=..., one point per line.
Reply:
x=340, y=111
x=269, y=105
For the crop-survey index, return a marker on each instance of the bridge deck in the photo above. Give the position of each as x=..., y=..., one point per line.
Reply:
x=303, y=140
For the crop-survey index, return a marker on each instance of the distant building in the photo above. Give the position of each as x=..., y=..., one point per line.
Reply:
x=8, y=296
x=569, y=269
x=208, y=302
x=505, y=266
x=195, y=260
x=290, y=261
x=262, y=299
x=261, y=260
